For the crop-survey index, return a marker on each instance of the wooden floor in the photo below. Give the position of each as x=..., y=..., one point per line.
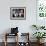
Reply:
x=13, y=44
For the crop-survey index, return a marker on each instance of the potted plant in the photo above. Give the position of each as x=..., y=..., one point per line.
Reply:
x=39, y=35
x=38, y=27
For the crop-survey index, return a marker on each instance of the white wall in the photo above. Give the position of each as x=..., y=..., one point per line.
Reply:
x=24, y=25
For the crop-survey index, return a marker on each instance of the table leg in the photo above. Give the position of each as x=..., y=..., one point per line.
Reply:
x=5, y=40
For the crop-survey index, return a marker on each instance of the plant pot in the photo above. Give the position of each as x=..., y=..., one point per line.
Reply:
x=40, y=41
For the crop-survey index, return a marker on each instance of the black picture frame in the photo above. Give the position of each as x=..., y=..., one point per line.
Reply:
x=17, y=13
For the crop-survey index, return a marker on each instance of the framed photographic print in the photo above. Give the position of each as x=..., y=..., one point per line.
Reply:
x=17, y=13
x=41, y=12
x=41, y=8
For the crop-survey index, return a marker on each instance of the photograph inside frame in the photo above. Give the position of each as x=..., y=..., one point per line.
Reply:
x=18, y=13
